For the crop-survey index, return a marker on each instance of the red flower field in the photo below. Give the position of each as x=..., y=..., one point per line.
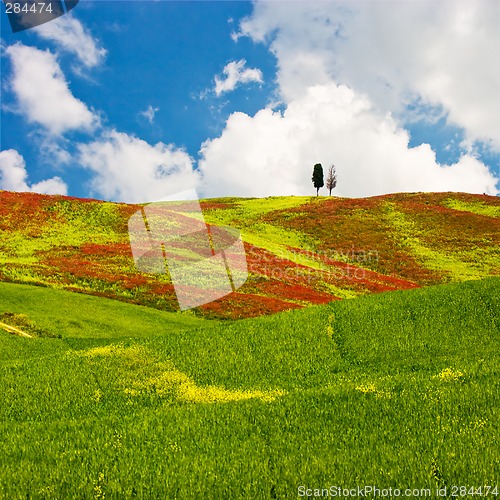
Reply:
x=299, y=251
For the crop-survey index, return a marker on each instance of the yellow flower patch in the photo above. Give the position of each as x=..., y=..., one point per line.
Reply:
x=449, y=375
x=366, y=389
x=143, y=373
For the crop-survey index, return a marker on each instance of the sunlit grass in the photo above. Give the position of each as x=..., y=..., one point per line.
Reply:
x=474, y=207
x=458, y=265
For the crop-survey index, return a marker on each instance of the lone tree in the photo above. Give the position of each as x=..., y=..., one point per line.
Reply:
x=331, y=179
x=317, y=177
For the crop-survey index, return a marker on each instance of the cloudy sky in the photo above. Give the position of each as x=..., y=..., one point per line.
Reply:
x=135, y=101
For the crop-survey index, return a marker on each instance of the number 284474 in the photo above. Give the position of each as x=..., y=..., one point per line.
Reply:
x=26, y=7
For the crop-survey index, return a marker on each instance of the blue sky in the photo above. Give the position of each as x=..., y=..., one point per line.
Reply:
x=242, y=98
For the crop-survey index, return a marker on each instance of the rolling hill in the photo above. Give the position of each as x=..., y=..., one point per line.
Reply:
x=300, y=250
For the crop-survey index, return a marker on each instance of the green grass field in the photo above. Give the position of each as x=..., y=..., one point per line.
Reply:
x=394, y=390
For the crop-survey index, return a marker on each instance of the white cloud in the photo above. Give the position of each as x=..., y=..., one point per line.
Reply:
x=441, y=53
x=54, y=185
x=12, y=171
x=273, y=154
x=70, y=35
x=53, y=153
x=236, y=73
x=43, y=94
x=13, y=176
x=129, y=169
x=150, y=113
x=346, y=72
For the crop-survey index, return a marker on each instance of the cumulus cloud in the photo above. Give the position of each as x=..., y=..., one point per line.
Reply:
x=346, y=74
x=437, y=53
x=13, y=176
x=236, y=73
x=129, y=169
x=273, y=153
x=70, y=36
x=42, y=92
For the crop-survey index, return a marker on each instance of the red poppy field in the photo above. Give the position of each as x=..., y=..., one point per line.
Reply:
x=299, y=250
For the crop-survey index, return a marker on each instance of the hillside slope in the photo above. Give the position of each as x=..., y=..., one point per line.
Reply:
x=393, y=390
x=300, y=250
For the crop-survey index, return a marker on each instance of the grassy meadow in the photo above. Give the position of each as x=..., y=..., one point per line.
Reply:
x=122, y=401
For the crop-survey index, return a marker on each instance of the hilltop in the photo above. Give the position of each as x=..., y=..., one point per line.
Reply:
x=300, y=250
